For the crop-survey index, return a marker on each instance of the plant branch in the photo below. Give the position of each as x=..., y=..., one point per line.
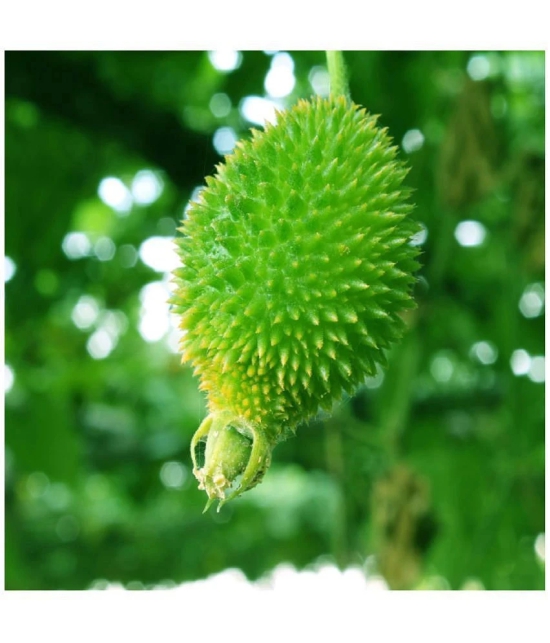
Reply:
x=339, y=85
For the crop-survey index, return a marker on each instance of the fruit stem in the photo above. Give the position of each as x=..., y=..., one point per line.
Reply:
x=339, y=85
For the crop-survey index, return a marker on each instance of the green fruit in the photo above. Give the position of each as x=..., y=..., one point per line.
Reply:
x=296, y=270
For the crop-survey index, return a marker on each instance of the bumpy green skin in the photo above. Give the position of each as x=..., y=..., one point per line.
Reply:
x=296, y=269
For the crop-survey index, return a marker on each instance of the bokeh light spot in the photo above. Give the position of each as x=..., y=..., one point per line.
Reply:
x=100, y=344
x=173, y=338
x=9, y=268
x=531, y=303
x=127, y=255
x=478, y=67
x=420, y=237
x=194, y=198
x=536, y=369
x=412, y=141
x=225, y=60
x=173, y=475
x=224, y=140
x=195, y=194
x=58, y=496
x=220, y=105
x=484, y=352
x=115, y=194
x=470, y=233
x=114, y=322
x=146, y=187
x=258, y=110
x=155, y=312
x=521, y=69
x=9, y=378
x=159, y=253
x=85, y=312
x=110, y=325
x=319, y=80
x=520, y=362
x=280, y=79
x=76, y=245
x=441, y=368
x=540, y=548
x=104, y=249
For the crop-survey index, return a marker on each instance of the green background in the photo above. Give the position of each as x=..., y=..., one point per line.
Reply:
x=432, y=475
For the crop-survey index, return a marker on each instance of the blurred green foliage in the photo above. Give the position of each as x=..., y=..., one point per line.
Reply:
x=433, y=471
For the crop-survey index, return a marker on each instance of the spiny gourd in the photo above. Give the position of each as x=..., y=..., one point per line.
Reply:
x=297, y=265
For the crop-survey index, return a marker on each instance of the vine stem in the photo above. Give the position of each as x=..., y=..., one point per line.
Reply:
x=339, y=85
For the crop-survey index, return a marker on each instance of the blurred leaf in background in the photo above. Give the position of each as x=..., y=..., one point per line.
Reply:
x=432, y=475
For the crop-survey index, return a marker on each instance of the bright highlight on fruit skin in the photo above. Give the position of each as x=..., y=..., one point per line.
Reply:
x=296, y=270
